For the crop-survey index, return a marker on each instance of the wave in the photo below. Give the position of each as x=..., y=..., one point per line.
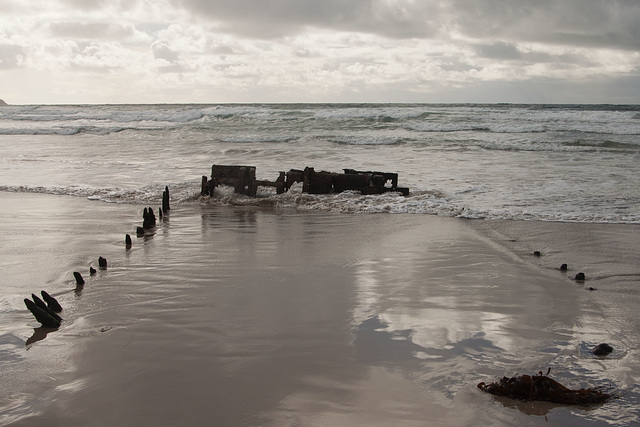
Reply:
x=425, y=202
x=372, y=139
x=258, y=138
x=419, y=202
x=577, y=145
x=105, y=119
x=149, y=194
x=72, y=130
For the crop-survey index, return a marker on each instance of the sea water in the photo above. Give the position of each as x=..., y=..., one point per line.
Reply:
x=546, y=162
x=213, y=290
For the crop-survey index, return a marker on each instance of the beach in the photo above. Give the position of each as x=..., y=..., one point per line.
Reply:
x=260, y=315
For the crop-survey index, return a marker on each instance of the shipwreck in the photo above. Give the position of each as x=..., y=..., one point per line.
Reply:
x=243, y=180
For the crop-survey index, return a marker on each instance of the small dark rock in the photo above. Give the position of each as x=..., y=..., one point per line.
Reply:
x=563, y=267
x=140, y=231
x=79, y=279
x=602, y=349
x=591, y=289
x=52, y=303
x=102, y=263
x=92, y=271
x=537, y=253
x=580, y=276
x=127, y=241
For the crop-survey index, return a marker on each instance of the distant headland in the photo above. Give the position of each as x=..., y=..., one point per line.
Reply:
x=2, y=103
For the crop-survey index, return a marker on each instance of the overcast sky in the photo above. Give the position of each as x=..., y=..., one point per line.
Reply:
x=148, y=51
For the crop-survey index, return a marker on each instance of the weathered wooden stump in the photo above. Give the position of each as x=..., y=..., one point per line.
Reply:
x=165, y=200
x=44, y=318
x=44, y=307
x=148, y=219
x=280, y=182
x=52, y=303
x=78, y=277
x=204, y=188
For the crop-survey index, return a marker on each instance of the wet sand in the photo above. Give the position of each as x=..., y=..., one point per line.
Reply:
x=246, y=316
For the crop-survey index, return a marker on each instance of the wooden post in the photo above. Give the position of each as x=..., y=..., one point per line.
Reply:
x=212, y=186
x=280, y=183
x=204, y=189
x=240, y=184
x=308, y=173
x=165, y=200
x=252, y=185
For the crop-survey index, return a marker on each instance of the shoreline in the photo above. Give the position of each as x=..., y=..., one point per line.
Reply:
x=275, y=318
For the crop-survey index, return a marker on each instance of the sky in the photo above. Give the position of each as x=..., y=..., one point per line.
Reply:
x=213, y=51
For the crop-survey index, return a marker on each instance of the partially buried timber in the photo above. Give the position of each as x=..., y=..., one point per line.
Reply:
x=243, y=180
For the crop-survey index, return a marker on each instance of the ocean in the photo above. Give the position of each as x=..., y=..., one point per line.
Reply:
x=574, y=163
x=303, y=309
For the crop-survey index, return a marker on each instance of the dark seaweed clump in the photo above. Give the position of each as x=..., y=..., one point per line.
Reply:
x=540, y=387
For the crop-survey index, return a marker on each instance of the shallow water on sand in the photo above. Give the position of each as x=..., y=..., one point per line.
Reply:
x=247, y=316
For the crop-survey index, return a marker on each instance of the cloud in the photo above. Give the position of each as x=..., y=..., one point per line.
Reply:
x=279, y=18
x=583, y=23
x=10, y=56
x=161, y=50
x=499, y=50
x=93, y=30
x=328, y=50
x=612, y=23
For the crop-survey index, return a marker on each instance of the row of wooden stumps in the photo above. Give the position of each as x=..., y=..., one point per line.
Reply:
x=243, y=180
x=46, y=310
x=602, y=349
x=528, y=388
x=149, y=218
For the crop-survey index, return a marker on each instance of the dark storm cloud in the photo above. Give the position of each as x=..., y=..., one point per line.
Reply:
x=589, y=23
x=259, y=18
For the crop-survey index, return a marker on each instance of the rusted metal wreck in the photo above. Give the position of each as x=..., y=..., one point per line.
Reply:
x=243, y=180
